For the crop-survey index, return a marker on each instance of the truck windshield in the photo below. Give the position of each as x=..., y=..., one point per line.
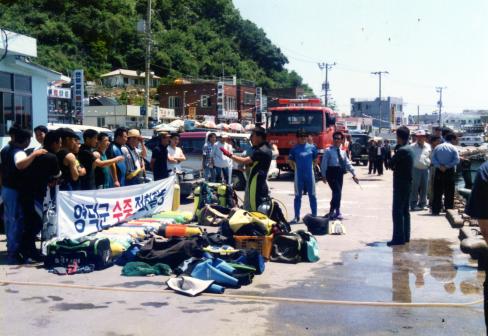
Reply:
x=293, y=120
x=361, y=139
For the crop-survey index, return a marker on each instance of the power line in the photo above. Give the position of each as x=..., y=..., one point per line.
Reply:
x=439, y=103
x=326, y=67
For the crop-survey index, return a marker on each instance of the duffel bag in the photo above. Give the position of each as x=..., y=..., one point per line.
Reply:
x=213, y=215
x=316, y=225
x=84, y=251
x=310, y=247
x=287, y=248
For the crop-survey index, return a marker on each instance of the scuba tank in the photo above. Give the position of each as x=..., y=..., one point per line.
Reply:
x=178, y=230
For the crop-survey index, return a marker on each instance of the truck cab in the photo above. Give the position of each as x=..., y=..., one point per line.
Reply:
x=308, y=114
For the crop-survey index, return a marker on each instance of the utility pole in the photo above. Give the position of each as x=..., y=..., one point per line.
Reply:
x=327, y=67
x=439, y=103
x=418, y=117
x=148, y=63
x=379, y=73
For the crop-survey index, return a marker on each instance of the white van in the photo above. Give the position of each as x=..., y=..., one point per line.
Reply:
x=79, y=129
x=471, y=140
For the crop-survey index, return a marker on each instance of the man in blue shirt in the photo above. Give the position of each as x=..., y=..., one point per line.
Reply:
x=301, y=159
x=445, y=158
x=333, y=167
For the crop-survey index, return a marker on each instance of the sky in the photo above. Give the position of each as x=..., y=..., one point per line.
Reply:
x=423, y=44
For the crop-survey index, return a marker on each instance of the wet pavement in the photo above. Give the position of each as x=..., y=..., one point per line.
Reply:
x=355, y=267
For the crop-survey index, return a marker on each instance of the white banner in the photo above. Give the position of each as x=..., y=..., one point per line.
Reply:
x=83, y=212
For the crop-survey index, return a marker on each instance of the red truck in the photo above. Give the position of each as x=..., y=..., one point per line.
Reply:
x=294, y=114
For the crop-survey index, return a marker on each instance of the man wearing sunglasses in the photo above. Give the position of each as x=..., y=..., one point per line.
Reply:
x=333, y=167
x=301, y=159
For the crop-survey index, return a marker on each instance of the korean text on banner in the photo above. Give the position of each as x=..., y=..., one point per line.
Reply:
x=83, y=212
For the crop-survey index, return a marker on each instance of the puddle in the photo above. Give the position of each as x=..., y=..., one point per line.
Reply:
x=192, y=311
x=76, y=306
x=37, y=299
x=154, y=304
x=55, y=298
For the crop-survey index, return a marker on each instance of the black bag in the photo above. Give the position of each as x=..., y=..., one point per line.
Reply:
x=171, y=252
x=282, y=225
x=287, y=248
x=83, y=251
x=316, y=225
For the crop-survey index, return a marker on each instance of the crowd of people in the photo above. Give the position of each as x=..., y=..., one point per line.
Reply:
x=61, y=159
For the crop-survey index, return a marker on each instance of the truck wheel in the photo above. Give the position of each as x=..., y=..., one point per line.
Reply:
x=238, y=181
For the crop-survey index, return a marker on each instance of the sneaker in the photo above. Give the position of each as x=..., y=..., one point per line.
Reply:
x=332, y=216
x=338, y=216
x=295, y=221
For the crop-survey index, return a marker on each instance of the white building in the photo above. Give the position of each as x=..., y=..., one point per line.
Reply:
x=23, y=94
x=461, y=121
x=124, y=78
x=113, y=116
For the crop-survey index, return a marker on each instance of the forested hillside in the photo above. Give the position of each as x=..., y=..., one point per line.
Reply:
x=194, y=38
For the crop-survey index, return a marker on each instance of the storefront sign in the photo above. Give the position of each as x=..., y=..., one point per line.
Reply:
x=80, y=213
x=57, y=92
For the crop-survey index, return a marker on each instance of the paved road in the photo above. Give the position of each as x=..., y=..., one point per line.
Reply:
x=357, y=266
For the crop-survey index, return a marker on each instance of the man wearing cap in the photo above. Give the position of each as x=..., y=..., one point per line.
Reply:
x=257, y=192
x=134, y=159
x=420, y=173
x=301, y=158
x=68, y=162
x=333, y=167
x=222, y=163
x=159, y=158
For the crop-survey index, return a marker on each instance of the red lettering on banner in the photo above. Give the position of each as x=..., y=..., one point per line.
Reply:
x=117, y=211
x=128, y=207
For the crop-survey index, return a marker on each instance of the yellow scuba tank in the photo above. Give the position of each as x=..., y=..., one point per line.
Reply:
x=176, y=197
x=222, y=193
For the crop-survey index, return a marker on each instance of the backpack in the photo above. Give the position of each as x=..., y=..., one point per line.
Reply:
x=316, y=225
x=287, y=248
x=84, y=251
x=310, y=247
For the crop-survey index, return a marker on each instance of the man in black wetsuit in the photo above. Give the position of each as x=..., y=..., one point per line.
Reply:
x=257, y=192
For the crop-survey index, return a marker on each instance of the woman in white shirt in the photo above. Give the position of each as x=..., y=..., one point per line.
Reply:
x=175, y=154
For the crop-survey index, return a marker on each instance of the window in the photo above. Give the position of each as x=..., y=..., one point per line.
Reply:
x=15, y=101
x=174, y=102
x=22, y=83
x=101, y=121
x=230, y=103
x=249, y=98
x=205, y=101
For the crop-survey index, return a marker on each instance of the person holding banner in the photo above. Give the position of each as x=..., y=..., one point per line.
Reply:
x=70, y=167
x=134, y=160
x=118, y=148
x=33, y=186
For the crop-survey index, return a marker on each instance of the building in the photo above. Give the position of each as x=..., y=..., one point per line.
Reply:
x=289, y=93
x=59, y=102
x=462, y=121
x=424, y=119
x=357, y=124
x=223, y=101
x=125, y=78
x=107, y=112
x=23, y=93
x=391, y=115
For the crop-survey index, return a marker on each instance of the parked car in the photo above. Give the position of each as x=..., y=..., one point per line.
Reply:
x=359, y=148
x=471, y=140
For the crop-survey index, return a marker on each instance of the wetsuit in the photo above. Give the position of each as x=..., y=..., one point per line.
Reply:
x=67, y=182
x=304, y=157
x=257, y=191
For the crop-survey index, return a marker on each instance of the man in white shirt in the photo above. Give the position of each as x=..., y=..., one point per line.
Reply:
x=420, y=173
x=223, y=164
x=175, y=154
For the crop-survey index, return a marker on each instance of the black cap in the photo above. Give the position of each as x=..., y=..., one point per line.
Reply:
x=66, y=132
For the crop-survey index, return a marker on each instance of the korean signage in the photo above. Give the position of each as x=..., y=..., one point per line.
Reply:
x=78, y=93
x=259, y=101
x=80, y=213
x=57, y=92
x=220, y=99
